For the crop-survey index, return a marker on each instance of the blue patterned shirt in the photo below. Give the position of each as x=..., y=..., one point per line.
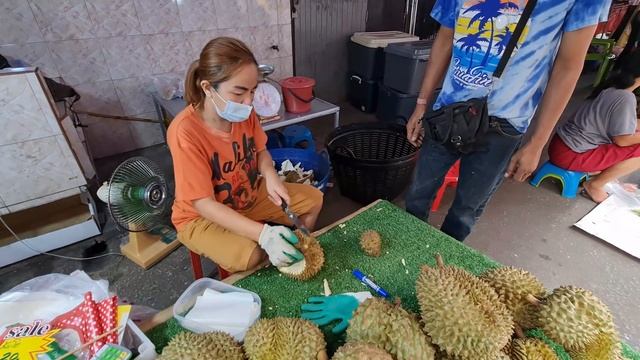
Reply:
x=483, y=29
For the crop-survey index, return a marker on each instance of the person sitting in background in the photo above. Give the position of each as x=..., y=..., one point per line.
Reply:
x=627, y=44
x=604, y=134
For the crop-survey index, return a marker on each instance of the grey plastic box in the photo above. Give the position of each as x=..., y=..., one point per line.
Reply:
x=405, y=64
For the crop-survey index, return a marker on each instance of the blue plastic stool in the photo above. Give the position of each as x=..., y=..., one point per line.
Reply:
x=294, y=135
x=570, y=179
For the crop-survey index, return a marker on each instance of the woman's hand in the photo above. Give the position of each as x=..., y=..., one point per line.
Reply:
x=415, y=131
x=276, y=190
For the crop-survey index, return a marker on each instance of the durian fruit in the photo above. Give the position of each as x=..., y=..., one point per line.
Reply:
x=391, y=328
x=215, y=345
x=531, y=349
x=462, y=314
x=283, y=339
x=312, y=262
x=371, y=243
x=512, y=286
x=360, y=351
x=573, y=317
x=605, y=346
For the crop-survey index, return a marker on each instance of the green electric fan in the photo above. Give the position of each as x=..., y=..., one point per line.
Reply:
x=138, y=202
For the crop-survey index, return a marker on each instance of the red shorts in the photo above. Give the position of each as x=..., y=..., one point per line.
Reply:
x=598, y=159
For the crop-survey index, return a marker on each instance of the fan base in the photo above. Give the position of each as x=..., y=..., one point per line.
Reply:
x=146, y=249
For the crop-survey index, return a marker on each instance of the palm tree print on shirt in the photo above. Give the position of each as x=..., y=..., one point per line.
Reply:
x=483, y=30
x=470, y=44
x=487, y=12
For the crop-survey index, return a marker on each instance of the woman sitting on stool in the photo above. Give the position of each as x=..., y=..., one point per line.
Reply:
x=604, y=134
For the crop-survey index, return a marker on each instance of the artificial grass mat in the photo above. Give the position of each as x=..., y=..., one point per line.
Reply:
x=404, y=238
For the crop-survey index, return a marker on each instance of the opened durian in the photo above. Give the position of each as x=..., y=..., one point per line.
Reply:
x=512, y=286
x=391, y=328
x=605, y=346
x=462, y=314
x=371, y=243
x=214, y=346
x=531, y=349
x=360, y=351
x=573, y=317
x=283, y=339
x=312, y=262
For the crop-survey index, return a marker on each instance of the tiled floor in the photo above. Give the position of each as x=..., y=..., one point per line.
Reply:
x=523, y=226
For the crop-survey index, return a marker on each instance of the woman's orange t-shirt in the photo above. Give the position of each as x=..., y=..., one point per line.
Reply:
x=213, y=163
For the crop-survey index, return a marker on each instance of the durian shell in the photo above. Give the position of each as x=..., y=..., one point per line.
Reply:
x=208, y=346
x=283, y=339
x=462, y=314
x=313, y=258
x=371, y=243
x=574, y=317
x=605, y=346
x=391, y=328
x=512, y=286
x=531, y=349
x=360, y=351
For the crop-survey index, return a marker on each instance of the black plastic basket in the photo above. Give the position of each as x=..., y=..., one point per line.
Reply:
x=371, y=161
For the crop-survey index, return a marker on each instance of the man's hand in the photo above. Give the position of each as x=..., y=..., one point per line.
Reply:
x=524, y=162
x=415, y=131
x=323, y=310
x=277, y=242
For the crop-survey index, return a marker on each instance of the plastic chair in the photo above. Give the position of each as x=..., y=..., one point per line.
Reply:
x=196, y=263
x=295, y=136
x=604, y=55
x=570, y=179
x=450, y=180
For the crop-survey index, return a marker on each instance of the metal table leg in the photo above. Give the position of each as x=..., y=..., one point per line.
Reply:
x=336, y=117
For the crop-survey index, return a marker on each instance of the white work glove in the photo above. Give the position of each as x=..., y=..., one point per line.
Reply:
x=278, y=243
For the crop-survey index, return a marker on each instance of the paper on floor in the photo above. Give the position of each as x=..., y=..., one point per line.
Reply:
x=616, y=223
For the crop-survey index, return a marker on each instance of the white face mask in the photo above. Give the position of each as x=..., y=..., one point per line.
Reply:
x=233, y=112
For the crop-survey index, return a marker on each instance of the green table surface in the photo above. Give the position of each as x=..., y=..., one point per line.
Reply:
x=408, y=243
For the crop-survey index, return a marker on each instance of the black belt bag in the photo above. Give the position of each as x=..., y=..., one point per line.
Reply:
x=462, y=126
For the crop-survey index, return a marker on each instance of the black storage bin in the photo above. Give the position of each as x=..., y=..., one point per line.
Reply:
x=366, y=62
x=394, y=106
x=363, y=93
x=405, y=64
x=366, y=52
x=371, y=161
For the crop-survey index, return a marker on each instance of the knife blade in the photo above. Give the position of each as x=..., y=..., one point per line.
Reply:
x=295, y=219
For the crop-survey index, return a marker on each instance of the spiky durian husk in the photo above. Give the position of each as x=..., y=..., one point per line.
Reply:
x=313, y=259
x=531, y=349
x=283, y=339
x=391, y=328
x=605, y=346
x=462, y=314
x=371, y=243
x=360, y=351
x=573, y=317
x=512, y=286
x=214, y=345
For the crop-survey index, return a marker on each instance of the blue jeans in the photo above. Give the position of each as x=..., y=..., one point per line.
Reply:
x=481, y=173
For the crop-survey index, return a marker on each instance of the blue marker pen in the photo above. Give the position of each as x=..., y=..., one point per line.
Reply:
x=365, y=280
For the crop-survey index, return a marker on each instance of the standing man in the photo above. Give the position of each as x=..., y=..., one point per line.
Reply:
x=539, y=79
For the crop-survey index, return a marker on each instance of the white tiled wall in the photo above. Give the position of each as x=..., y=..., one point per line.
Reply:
x=109, y=50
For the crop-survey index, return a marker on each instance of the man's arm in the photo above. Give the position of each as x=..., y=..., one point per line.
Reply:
x=627, y=140
x=564, y=76
x=436, y=70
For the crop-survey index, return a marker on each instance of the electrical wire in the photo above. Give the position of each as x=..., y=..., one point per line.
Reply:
x=50, y=254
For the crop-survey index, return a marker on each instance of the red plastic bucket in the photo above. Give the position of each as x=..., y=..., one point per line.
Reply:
x=298, y=93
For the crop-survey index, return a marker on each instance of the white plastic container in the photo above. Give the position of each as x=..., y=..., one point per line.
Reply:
x=135, y=338
x=188, y=299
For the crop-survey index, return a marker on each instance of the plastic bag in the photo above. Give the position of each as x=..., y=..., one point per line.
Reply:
x=187, y=300
x=629, y=193
x=45, y=297
x=168, y=86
